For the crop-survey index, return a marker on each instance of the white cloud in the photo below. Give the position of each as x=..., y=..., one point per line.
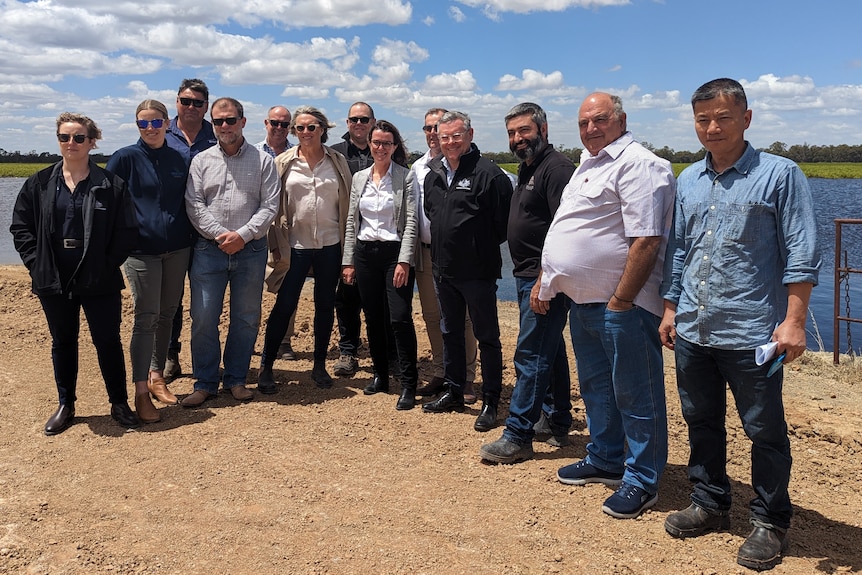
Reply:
x=493, y=7
x=530, y=80
x=456, y=14
x=616, y=68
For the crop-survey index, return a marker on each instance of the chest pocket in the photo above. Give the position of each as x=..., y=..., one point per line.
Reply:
x=746, y=223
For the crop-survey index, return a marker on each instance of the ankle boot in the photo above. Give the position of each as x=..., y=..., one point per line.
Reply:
x=145, y=409
x=159, y=388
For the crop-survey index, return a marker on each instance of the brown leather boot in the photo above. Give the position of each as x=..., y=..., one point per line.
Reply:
x=159, y=388
x=145, y=409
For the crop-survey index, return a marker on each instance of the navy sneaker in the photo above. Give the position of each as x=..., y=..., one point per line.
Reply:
x=581, y=473
x=628, y=502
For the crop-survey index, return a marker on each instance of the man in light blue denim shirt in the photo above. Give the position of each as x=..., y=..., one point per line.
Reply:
x=740, y=265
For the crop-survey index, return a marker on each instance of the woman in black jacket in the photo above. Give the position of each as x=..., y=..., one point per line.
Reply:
x=156, y=176
x=73, y=226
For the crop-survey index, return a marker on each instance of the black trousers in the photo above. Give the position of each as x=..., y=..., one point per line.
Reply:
x=103, y=313
x=375, y=264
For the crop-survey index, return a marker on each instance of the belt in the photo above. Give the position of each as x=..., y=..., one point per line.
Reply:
x=424, y=245
x=72, y=244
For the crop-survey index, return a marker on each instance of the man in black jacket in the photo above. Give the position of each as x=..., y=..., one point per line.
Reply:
x=467, y=201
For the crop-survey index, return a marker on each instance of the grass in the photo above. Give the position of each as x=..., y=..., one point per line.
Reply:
x=20, y=170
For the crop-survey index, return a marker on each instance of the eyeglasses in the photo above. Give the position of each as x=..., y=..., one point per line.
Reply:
x=79, y=138
x=429, y=128
x=279, y=124
x=300, y=128
x=456, y=137
x=220, y=121
x=192, y=102
x=382, y=144
x=359, y=119
x=156, y=124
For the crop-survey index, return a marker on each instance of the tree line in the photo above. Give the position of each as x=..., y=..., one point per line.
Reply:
x=803, y=153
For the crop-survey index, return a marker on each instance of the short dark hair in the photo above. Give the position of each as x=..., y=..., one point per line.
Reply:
x=223, y=102
x=399, y=156
x=195, y=85
x=537, y=114
x=718, y=87
x=370, y=109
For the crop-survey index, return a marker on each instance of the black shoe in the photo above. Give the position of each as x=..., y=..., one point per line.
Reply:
x=320, y=377
x=378, y=384
x=505, y=451
x=61, y=420
x=763, y=548
x=694, y=521
x=487, y=419
x=266, y=381
x=172, y=365
x=433, y=387
x=407, y=400
x=123, y=415
x=446, y=402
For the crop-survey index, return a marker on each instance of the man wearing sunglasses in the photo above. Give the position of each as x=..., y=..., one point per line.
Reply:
x=354, y=147
x=277, y=124
x=231, y=198
x=189, y=134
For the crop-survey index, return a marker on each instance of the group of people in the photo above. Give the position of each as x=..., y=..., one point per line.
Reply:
x=711, y=265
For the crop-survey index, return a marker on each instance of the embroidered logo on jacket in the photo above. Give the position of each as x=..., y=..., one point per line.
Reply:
x=464, y=184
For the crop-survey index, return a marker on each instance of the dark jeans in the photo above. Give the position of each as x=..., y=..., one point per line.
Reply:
x=103, y=313
x=456, y=297
x=327, y=269
x=375, y=264
x=541, y=367
x=702, y=374
x=348, y=306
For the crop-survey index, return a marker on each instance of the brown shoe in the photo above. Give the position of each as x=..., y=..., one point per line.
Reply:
x=145, y=409
x=159, y=388
x=196, y=399
x=240, y=393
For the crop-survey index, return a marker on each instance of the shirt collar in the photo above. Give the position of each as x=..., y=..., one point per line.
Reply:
x=743, y=164
x=614, y=149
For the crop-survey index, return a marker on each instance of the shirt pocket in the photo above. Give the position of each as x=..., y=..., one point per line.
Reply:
x=746, y=223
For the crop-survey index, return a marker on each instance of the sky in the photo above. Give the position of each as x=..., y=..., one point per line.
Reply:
x=800, y=63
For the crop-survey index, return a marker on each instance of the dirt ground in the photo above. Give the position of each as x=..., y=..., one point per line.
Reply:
x=333, y=481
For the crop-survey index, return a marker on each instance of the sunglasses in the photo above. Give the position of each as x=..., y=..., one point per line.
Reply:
x=278, y=124
x=79, y=138
x=429, y=128
x=156, y=124
x=220, y=121
x=300, y=128
x=192, y=102
x=359, y=119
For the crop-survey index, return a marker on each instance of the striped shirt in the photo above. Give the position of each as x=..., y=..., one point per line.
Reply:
x=232, y=193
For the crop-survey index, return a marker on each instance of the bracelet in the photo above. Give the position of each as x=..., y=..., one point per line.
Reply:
x=623, y=300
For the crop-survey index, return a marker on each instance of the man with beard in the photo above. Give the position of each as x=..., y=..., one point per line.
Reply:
x=540, y=355
x=231, y=198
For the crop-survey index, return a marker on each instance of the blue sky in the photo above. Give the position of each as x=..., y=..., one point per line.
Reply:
x=800, y=62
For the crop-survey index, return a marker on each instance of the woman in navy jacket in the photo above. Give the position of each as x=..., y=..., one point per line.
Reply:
x=73, y=226
x=156, y=176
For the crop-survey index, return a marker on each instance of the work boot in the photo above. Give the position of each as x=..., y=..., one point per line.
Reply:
x=763, y=548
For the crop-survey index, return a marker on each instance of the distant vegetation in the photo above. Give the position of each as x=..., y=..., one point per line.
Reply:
x=841, y=161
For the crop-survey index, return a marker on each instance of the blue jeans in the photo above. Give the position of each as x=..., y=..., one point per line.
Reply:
x=621, y=374
x=541, y=366
x=702, y=374
x=157, y=286
x=326, y=262
x=479, y=297
x=211, y=273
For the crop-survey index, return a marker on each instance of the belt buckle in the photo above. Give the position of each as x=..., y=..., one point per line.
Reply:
x=69, y=243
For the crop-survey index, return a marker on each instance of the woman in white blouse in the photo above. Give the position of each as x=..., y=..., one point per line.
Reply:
x=307, y=233
x=379, y=243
